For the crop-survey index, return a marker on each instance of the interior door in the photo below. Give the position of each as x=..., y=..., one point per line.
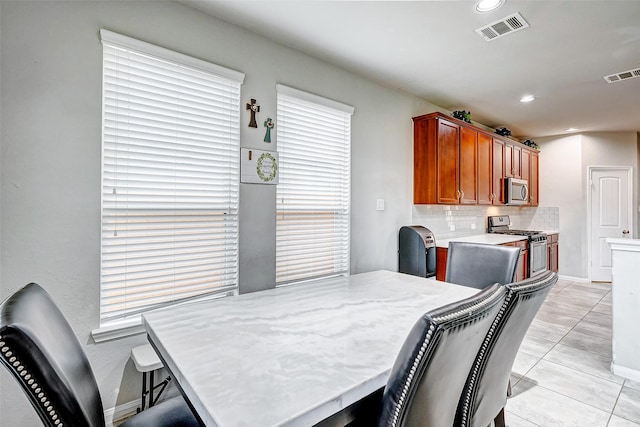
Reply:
x=610, y=215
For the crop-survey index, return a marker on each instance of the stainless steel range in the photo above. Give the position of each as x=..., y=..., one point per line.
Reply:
x=537, y=242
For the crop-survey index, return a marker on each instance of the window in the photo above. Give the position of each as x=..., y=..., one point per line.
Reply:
x=313, y=196
x=170, y=165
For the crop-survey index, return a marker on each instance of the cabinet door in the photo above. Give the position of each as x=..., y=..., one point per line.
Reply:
x=498, y=172
x=441, y=263
x=523, y=260
x=485, y=169
x=534, y=179
x=516, y=162
x=468, y=166
x=448, y=154
x=525, y=169
x=523, y=264
x=508, y=160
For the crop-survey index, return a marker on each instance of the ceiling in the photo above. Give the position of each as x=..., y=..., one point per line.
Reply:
x=431, y=49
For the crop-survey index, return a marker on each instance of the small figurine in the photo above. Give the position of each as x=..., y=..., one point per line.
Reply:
x=269, y=125
x=463, y=115
x=254, y=108
x=503, y=131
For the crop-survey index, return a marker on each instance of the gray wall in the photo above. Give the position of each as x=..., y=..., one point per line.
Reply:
x=564, y=162
x=50, y=166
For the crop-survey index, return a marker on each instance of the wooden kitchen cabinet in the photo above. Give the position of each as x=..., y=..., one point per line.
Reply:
x=445, y=161
x=529, y=171
x=512, y=160
x=441, y=263
x=498, y=172
x=522, y=272
x=534, y=179
x=468, y=166
x=552, y=252
x=458, y=163
x=484, y=168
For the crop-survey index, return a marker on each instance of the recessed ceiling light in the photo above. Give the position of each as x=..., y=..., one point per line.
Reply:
x=487, y=5
x=571, y=130
x=527, y=98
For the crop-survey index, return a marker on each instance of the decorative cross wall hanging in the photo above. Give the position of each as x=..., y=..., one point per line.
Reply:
x=254, y=108
x=269, y=125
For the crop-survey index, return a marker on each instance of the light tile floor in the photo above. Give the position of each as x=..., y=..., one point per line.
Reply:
x=562, y=374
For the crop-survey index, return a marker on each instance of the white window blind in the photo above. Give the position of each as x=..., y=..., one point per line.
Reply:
x=313, y=196
x=170, y=165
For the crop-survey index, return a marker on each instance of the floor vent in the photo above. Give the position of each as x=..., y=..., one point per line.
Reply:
x=617, y=77
x=503, y=27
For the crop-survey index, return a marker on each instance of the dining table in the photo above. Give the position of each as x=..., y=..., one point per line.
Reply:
x=294, y=355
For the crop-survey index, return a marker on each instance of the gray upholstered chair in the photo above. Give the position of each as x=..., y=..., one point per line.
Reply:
x=478, y=265
x=485, y=392
x=429, y=373
x=40, y=350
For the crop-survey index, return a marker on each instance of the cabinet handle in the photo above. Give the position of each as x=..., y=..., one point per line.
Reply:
x=462, y=194
x=458, y=193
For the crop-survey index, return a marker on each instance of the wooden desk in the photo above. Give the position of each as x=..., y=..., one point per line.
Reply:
x=296, y=355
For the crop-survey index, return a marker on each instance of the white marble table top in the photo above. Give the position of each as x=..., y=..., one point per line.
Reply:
x=295, y=355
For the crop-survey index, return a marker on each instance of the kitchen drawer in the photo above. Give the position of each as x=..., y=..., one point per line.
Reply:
x=552, y=238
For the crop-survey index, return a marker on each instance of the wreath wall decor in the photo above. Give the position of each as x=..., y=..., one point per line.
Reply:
x=258, y=166
x=267, y=167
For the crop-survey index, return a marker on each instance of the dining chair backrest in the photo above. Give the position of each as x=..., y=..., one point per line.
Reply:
x=479, y=265
x=430, y=371
x=485, y=392
x=40, y=350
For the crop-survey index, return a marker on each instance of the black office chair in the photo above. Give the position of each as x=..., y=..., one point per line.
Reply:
x=485, y=393
x=429, y=374
x=39, y=348
x=478, y=265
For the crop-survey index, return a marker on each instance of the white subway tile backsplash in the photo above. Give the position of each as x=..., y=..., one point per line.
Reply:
x=440, y=218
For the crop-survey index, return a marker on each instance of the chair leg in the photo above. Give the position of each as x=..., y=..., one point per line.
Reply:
x=509, y=389
x=499, y=420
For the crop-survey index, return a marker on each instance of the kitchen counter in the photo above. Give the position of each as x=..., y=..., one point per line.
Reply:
x=487, y=239
x=547, y=232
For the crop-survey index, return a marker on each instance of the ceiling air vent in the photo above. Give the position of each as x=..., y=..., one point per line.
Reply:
x=504, y=26
x=617, y=77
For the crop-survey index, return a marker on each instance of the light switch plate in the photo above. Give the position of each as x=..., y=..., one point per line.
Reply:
x=379, y=204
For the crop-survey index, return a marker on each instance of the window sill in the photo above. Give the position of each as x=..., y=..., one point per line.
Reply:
x=133, y=326
x=117, y=330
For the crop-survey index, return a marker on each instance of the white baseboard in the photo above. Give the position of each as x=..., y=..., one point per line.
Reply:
x=574, y=279
x=125, y=410
x=625, y=372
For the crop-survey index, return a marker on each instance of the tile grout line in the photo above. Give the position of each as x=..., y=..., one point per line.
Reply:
x=581, y=319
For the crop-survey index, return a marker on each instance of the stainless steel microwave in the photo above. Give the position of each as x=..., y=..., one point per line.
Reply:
x=516, y=191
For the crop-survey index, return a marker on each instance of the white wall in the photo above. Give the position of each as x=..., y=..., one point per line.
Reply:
x=50, y=165
x=564, y=161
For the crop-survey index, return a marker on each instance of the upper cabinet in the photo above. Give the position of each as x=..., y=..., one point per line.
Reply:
x=445, y=162
x=457, y=163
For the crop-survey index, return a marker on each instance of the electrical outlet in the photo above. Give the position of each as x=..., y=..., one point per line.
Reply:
x=473, y=226
x=452, y=227
x=379, y=204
